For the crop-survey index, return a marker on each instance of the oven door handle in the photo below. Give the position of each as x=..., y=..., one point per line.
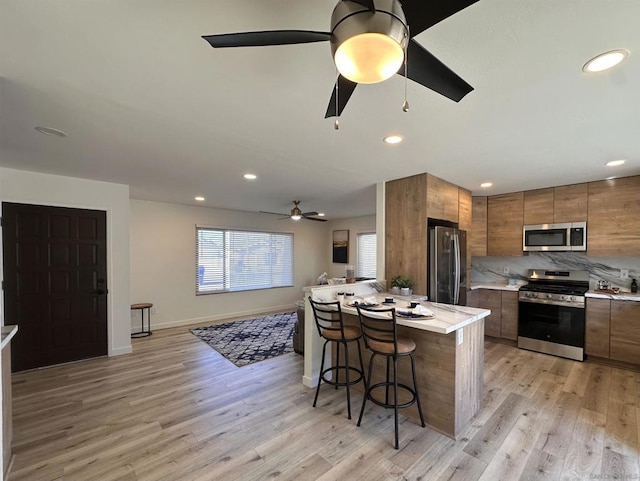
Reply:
x=575, y=305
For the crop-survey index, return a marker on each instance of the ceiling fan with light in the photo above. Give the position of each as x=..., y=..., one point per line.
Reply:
x=297, y=214
x=371, y=40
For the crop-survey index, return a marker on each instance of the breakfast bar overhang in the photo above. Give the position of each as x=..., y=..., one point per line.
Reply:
x=449, y=355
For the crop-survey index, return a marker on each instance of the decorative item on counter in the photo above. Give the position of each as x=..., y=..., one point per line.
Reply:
x=351, y=274
x=634, y=286
x=403, y=285
x=322, y=279
x=604, y=285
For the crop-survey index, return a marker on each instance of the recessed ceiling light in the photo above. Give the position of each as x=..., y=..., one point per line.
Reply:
x=51, y=131
x=320, y=214
x=393, y=139
x=199, y=198
x=250, y=176
x=605, y=61
x=484, y=185
x=613, y=163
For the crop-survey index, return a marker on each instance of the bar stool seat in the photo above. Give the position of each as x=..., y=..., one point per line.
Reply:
x=380, y=334
x=142, y=306
x=330, y=325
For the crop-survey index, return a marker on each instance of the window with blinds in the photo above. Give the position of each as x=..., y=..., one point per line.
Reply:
x=366, y=266
x=234, y=260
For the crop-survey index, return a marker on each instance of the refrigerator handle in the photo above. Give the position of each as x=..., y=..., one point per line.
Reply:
x=456, y=274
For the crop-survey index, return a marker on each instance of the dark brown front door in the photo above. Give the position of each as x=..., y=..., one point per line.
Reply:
x=55, y=283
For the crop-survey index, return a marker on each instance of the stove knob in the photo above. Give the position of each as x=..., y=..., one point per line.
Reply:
x=572, y=298
x=549, y=296
x=566, y=298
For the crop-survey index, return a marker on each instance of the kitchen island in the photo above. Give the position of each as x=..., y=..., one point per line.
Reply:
x=449, y=355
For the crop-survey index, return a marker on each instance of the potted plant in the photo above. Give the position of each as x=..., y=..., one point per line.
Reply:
x=402, y=285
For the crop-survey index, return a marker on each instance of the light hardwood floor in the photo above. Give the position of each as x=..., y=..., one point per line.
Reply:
x=176, y=410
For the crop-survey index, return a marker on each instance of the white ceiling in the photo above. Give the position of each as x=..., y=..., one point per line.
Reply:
x=147, y=102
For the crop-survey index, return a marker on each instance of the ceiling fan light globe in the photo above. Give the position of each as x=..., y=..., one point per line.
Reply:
x=368, y=45
x=369, y=58
x=296, y=217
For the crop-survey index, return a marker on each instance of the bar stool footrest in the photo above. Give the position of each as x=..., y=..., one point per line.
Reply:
x=384, y=384
x=337, y=370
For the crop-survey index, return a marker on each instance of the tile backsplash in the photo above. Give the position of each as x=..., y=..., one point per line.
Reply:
x=492, y=269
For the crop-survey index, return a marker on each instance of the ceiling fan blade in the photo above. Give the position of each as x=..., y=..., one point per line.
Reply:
x=317, y=220
x=421, y=15
x=425, y=69
x=264, y=38
x=366, y=3
x=274, y=213
x=305, y=214
x=345, y=89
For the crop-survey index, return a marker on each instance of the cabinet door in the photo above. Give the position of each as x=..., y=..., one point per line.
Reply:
x=504, y=224
x=570, y=203
x=625, y=331
x=597, y=329
x=613, y=223
x=406, y=231
x=538, y=206
x=442, y=199
x=478, y=237
x=509, y=313
x=492, y=300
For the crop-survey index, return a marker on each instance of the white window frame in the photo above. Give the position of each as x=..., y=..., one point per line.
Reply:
x=258, y=245
x=371, y=256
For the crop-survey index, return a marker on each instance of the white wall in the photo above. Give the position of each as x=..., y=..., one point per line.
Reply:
x=44, y=189
x=163, y=262
x=355, y=225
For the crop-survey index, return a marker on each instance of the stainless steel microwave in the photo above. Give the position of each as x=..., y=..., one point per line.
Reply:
x=555, y=237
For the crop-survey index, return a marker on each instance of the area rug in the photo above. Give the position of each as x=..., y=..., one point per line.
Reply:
x=251, y=340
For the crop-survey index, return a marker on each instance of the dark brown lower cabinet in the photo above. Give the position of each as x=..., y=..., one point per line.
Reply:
x=503, y=321
x=613, y=330
x=597, y=332
x=625, y=331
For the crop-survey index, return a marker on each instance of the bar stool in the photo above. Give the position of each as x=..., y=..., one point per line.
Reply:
x=142, y=307
x=381, y=338
x=330, y=324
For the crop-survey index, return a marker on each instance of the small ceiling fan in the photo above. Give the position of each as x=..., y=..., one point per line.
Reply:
x=371, y=40
x=297, y=214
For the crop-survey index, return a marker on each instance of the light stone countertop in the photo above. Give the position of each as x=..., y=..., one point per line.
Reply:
x=621, y=296
x=496, y=286
x=447, y=319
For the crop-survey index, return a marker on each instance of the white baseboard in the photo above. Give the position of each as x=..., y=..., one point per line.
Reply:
x=219, y=317
x=311, y=382
x=120, y=351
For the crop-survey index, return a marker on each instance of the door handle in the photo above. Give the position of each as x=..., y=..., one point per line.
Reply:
x=100, y=291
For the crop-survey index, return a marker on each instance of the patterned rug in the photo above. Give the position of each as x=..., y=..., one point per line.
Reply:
x=251, y=340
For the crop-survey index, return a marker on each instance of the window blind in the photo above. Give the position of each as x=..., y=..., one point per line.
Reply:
x=233, y=260
x=366, y=248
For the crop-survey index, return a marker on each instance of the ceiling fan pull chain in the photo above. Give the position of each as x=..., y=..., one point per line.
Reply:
x=336, y=124
x=405, y=104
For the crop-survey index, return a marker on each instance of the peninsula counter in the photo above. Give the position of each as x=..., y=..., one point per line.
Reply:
x=449, y=356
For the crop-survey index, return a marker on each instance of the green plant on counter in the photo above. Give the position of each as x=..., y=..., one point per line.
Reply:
x=401, y=282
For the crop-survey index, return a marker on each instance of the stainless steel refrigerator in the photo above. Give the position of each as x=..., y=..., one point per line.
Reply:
x=447, y=265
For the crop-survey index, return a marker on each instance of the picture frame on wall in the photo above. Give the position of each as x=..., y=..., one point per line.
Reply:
x=341, y=246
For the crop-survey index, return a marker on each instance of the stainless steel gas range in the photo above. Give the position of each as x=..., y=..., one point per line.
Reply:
x=551, y=313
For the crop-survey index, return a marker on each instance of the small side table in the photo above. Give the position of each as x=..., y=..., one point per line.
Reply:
x=142, y=307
